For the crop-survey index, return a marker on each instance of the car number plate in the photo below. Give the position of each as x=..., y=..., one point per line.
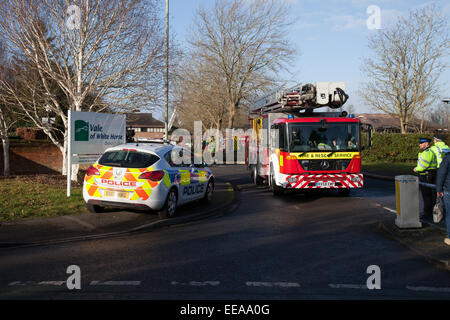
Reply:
x=325, y=184
x=114, y=194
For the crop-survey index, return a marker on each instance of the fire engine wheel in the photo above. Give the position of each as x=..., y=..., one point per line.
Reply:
x=276, y=190
x=344, y=192
x=168, y=211
x=94, y=208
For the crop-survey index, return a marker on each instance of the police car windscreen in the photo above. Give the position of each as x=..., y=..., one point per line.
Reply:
x=128, y=159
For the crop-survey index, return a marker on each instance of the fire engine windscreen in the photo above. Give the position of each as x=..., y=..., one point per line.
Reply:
x=323, y=137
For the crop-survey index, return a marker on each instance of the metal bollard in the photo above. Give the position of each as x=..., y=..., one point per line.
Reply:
x=407, y=195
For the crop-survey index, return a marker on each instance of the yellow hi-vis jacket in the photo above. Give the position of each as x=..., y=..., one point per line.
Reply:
x=426, y=161
x=440, y=149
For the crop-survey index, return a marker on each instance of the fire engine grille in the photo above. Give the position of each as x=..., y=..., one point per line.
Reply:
x=324, y=164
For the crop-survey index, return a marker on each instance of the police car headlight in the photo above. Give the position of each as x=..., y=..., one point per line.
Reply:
x=292, y=180
x=355, y=179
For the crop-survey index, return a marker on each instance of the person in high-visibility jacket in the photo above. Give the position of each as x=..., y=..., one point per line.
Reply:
x=439, y=148
x=426, y=168
x=212, y=146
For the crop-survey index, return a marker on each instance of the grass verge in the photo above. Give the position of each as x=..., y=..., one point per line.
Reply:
x=389, y=167
x=27, y=197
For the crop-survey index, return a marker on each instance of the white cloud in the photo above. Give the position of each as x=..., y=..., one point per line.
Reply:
x=346, y=22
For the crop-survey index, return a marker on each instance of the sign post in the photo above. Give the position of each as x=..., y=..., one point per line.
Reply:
x=90, y=134
x=69, y=156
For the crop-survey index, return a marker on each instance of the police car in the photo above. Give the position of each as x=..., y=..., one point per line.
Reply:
x=155, y=176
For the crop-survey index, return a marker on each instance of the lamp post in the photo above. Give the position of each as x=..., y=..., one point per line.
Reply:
x=166, y=133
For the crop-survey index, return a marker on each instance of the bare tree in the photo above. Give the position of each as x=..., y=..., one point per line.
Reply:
x=200, y=96
x=441, y=115
x=404, y=71
x=243, y=44
x=7, y=117
x=106, y=50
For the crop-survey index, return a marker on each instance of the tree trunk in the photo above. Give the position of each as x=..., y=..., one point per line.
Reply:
x=5, y=143
x=403, y=126
x=231, y=116
x=421, y=123
x=64, y=150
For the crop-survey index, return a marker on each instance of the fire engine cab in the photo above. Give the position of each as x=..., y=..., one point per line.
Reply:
x=295, y=147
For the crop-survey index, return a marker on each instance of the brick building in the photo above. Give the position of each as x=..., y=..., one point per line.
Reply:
x=145, y=126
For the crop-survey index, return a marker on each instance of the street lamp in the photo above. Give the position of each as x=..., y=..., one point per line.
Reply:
x=166, y=133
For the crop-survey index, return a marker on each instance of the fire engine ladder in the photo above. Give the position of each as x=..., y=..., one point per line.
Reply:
x=297, y=98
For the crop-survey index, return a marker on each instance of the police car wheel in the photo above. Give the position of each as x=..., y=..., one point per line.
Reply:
x=94, y=208
x=170, y=206
x=209, y=192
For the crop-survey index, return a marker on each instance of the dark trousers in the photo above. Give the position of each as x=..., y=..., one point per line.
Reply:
x=447, y=211
x=428, y=194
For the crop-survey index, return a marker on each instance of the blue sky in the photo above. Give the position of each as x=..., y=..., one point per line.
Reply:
x=331, y=36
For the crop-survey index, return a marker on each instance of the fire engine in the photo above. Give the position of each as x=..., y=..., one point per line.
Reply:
x=295, y=147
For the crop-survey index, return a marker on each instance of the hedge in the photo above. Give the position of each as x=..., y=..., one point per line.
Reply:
x=394, y=147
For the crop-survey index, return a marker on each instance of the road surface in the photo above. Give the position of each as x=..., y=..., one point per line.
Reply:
x=316, y=246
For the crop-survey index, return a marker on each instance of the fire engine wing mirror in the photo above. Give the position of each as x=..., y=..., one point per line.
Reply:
x=368, y=128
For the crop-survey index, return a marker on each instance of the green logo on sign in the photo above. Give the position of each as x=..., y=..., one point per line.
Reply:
x=81, y=130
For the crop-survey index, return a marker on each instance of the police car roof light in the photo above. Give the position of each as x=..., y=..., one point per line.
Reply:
x=351, y=115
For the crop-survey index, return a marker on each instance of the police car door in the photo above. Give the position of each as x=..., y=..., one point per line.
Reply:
x=189, y=187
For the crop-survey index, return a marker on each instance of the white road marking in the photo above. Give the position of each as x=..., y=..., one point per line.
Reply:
x=391, y=210
x=115, y=283
x=432, y=289
x=196, y=283
x=272, y=284
x=37, y=283
x=347, y=286
x=17, y=283
x=52, y=283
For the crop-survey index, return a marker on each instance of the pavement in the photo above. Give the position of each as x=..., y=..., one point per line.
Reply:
x=111, y=223
x=427, y=241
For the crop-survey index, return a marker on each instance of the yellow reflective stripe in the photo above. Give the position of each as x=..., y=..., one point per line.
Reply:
x=397, y=196
x=202, y=176
x=135, y=196
x=324, y=155
x=90, y=180
x=185, y=177
x=166, y=179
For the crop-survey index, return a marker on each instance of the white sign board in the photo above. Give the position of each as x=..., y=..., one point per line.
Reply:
x=82, y=159
x=93, y=133
x=90, y=134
